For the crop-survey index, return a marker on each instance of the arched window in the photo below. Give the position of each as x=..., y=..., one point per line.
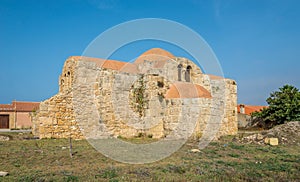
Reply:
x=179, y=71
x=188, y=73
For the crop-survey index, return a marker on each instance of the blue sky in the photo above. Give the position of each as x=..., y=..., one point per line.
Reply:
x=256, y=41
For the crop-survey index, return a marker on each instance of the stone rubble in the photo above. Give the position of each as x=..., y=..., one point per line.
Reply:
x=4, y=138
x=284, y=134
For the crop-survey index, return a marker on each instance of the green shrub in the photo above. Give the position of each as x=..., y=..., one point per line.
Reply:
x=284, y=105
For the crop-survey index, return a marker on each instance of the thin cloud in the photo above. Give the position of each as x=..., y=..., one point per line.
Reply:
x=104, y=4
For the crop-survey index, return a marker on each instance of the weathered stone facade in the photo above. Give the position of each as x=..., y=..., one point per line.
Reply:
x=159, y=95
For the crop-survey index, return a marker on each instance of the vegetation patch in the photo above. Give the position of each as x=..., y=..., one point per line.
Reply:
x=139, y=101
x=223, y=160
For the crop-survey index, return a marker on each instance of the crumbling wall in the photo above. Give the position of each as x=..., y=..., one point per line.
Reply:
x=98, y=102
x=55, y=117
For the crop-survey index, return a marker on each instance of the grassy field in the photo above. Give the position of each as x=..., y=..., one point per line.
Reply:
x=49, y=160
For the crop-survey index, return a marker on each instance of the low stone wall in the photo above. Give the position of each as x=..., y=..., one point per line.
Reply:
x=56, y=119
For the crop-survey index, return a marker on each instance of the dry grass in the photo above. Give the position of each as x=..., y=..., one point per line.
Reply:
x=49, y=160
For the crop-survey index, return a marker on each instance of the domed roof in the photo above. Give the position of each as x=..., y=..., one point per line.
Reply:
x=155, y=54
x=187, y=90
x=158, y=51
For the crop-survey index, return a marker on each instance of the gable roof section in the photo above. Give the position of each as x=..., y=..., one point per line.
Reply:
x=109, y=64
x=18, y=106
x=7, y=107
x=26, y=106
x=157, y=55
x=187, y=90
x=215, y=77
x=249, y=108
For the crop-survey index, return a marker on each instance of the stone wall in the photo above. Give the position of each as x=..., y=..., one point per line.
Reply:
x=96, y=101
x=23, y=120
x=18, y=120
x=55, y=117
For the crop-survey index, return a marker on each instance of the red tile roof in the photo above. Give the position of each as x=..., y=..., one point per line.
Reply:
x=20, y=106
x=214, y=77
x=155, y=54
x=7, y=107
x=250, y=109
x=187, y=90
x=26, y=106
x=109, y=64
x=160, y=56
x=159, y=51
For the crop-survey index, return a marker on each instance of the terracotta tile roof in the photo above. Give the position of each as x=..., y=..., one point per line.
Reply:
x=187, y=90
x=215, y=77
x=155, y=54
x=120, y=66
x=248, y=109
x=7, y=107
x=109, y=64
x=20, y=106
x=158, y=51
x=26, y=106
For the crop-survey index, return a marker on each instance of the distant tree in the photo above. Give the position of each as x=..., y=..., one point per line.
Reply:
x=284, y=105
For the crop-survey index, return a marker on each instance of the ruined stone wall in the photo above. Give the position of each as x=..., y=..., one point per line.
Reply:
x=225, y=95
x=95, y=102
x=55, y=117
x=116, y=103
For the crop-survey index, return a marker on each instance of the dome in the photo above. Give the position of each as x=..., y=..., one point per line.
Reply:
x=187, y=90
x=155, y=54
x=158, y=51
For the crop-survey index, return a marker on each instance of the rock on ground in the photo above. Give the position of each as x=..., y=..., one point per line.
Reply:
x=4, y=138
x=287, y=134
x=2, y=173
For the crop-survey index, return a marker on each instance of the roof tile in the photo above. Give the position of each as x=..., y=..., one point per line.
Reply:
x=187, y=90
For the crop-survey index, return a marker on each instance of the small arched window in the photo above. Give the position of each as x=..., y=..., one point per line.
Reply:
x=188, y=73
x=179, y=71
x=68, y=73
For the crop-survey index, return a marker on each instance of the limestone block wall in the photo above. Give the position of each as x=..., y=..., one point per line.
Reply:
x=95, y=102
x=225, y=90
x=56, y=119
x=67, y=76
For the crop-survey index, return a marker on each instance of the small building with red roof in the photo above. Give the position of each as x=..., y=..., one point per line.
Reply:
x=17, y=115
x=244, y=113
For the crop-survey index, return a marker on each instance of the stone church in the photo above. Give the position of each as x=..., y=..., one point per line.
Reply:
x=157, y=95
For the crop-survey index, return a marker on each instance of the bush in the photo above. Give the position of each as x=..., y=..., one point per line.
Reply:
x=284, y=105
